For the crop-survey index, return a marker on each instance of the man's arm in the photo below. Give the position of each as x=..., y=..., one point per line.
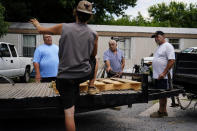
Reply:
x=107, y=63
x=94, y=53
x=166, y=70
x=37, y=70
x=123, y=63
x=55, y=30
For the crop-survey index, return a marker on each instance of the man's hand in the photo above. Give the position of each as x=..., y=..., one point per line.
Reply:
x=108, y=69
x=34, y=22
x=37, y=78
x=167, y=69
x=120, y=73
x=161, y=76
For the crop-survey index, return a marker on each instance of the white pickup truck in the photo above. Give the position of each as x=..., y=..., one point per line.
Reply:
x=11, y=65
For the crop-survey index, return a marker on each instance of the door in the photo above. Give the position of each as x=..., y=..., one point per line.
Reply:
x=6, y=61
x=15, y=61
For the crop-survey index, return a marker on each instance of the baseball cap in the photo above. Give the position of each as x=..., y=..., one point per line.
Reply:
x=85, y=7
x=157, y=33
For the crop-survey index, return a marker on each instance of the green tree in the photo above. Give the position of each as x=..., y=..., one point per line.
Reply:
x=176, y=14
x=127, y=21
x=113, y=7
x=140, y=21
x=3, y=24
x=61, y=10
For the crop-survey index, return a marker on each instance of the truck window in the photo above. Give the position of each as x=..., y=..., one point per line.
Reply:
x=13, y=51
x=4, y=50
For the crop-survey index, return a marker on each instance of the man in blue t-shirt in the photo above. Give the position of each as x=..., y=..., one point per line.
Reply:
x=46, y=60
x=114, y=60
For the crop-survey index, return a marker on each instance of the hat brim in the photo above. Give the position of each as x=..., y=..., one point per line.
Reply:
x=84, y=11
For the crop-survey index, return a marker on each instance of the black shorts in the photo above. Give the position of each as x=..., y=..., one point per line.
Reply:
x=69, y=91
x=161, y=84
x=69, y=88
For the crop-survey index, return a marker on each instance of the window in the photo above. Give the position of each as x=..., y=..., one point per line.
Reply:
x=4, y=50
x=29, y=45
x=12, y=49
x=175, y=43
x=124, y=44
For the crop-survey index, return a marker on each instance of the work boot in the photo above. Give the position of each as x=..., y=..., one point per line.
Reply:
x=93, y=90
x=158, y=114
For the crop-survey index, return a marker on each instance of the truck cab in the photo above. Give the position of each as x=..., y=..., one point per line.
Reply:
x=11, y=65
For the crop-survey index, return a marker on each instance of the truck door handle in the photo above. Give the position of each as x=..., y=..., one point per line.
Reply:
x=11, y=61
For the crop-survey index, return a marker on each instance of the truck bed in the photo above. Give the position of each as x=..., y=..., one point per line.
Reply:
x=37, y=99
x=185, y=72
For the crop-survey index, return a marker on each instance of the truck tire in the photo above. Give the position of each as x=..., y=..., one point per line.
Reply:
x=26, y=76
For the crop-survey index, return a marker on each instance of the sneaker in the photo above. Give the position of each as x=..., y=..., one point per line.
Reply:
x=93, y=90
x=158, y=114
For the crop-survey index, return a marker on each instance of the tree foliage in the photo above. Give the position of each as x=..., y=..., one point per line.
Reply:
x=127, y=21
x=3, y=24
x=61, y=10
x=176, y=14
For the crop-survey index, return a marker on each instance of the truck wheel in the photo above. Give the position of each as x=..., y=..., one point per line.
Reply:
x=26, y=76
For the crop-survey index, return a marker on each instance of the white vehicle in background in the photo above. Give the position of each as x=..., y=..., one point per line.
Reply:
x=11, y=65
x=146, y=61
x=190, y=50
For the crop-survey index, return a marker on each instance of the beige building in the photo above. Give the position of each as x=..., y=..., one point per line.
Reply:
x=134, y=41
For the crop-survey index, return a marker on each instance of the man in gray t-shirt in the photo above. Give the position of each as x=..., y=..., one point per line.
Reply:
x=163, y=61
x=77, y=51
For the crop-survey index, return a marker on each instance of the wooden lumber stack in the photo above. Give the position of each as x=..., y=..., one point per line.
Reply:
x=112, y=84
x=107, y=85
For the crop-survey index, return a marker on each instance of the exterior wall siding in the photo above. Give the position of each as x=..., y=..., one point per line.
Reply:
x=14, y=39
x=189, y=43
x=141, y=47
x=102, y=47
x=141, y=43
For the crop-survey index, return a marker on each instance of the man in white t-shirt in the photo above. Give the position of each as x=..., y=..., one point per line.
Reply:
x=163, y=61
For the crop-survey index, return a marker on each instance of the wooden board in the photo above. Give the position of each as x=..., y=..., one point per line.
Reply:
x=125, y=80
x=112, y=84
x=53, y=85
x=83, y=87
x=108, y=85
